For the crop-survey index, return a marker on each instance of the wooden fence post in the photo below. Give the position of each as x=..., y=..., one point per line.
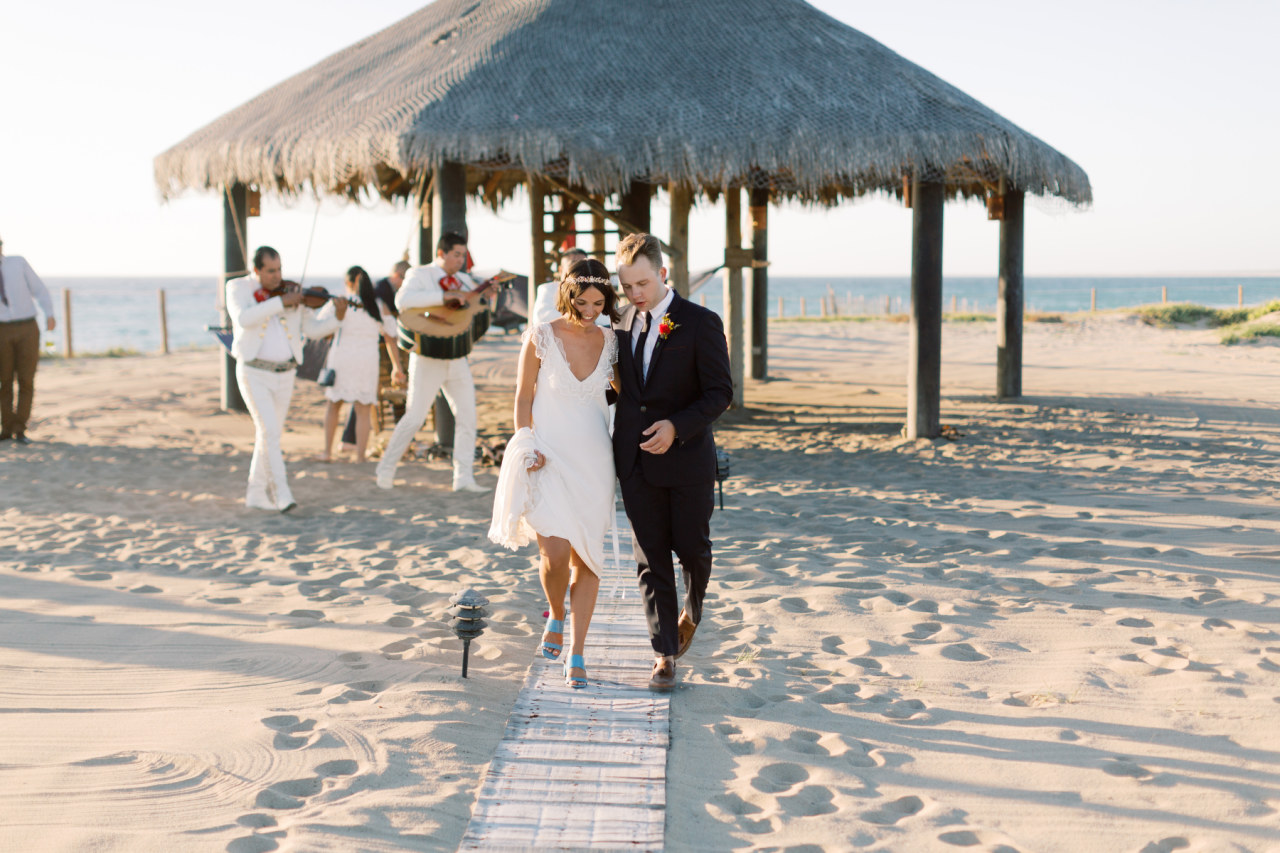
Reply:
x=164, y=325
x=67, y=349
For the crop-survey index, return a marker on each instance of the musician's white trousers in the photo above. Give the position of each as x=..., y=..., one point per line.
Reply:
x=267, y=396
x=427, y=377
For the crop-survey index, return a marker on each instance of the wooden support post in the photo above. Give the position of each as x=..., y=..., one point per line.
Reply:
x=449, y=201
x=67, y=350
x=803, y=311
x=781, y=310
x=1093, y=300
x=924, y=368
x=953, y=303
x=598, y=250
x=426, y=245
x=887, y=309
x=1240, y=295
x=1164, y=295
x=634, y=206
x=448, y=213
x=1010, y=299
x=235, y=263
x=759, y=343
x=164, y=324
x=733, y=314
x=681, y=202
x=539, y=265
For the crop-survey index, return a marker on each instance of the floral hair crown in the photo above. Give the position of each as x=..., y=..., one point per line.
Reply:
x=590, y=279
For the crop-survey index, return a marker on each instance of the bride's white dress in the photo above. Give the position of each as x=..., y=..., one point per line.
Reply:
x=572, y=495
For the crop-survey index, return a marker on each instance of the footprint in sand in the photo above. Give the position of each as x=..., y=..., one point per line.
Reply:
x=833, y=645
x=794, y=605
x=396, y=650
x=895, y=811
x=809, y=801
x=963, y=652
x=905, y=709
x=923, y=630
x=399, y=622
x=861, y=754
x=291, y=732
x=354, y=660
x=146, y=589
x=806, y=743
x=359, y=691
x=285, y=796
x=836, y=694
x=1123, y=767
x=231, y=599
x=779, y=777
x=1167, y=845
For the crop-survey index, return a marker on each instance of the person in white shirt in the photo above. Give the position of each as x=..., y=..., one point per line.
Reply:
x=544, y=300
x=437, y=285
x=20, y=290
x=269, y=323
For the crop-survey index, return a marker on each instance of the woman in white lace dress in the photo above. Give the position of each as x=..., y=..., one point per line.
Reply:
x=354, y=359
x=557, y=477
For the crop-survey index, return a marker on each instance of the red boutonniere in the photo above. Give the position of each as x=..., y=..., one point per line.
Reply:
x=666, y=326
x=261, y=295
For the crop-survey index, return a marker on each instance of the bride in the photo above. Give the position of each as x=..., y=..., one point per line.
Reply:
x=557, y=476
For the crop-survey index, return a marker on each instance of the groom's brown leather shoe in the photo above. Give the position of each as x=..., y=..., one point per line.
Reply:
x=684, y=633
x=664, y=674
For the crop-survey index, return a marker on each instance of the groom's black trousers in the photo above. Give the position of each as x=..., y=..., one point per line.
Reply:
x=664, y=520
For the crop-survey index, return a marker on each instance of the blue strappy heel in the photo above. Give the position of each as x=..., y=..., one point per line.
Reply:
x=551, y=651
x=575, y=681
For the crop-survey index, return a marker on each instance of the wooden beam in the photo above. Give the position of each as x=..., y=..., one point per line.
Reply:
x=758, y=345
x=624, y=225
x=235, y=263
x=681, y=202
x=1010, y=299
x=924, y=369
x=733, y=323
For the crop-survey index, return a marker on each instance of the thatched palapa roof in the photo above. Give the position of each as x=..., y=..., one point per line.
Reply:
x=708, y=93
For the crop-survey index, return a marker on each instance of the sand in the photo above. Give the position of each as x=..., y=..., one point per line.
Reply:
x=1055, y=632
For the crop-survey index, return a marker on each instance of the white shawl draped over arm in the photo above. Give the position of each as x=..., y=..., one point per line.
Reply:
x=516, y=493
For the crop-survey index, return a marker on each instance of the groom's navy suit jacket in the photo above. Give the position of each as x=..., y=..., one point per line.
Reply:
x=689, y=384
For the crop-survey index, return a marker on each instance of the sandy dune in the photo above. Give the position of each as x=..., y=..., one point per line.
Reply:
x=1057, y=632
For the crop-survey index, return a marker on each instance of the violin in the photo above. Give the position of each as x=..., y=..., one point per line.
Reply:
x=312, y=297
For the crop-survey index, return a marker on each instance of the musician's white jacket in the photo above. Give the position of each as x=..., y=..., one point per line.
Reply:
x=251, y=319
x=421, y=287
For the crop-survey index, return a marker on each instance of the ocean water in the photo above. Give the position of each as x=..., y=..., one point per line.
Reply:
x=123, y=313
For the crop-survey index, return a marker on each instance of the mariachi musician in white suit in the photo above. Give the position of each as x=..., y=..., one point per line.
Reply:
x=437, y=285
x=269, y=322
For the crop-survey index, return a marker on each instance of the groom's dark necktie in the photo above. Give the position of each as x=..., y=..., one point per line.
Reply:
x=640, y=342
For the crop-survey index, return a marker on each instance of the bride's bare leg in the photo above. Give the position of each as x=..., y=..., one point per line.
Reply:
x=582, y=600
x=554, y=574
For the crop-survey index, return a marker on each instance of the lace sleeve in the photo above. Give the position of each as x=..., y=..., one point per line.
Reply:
x=540, y=334
x=611, y=344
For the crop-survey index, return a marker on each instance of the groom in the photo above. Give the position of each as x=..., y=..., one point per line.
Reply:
x=673, y=365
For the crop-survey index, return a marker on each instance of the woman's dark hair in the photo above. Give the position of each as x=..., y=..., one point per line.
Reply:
x=367, y=296
x=262, y=255
x=584, y=275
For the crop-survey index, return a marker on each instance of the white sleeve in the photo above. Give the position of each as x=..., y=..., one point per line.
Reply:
x=37, y=288
x=419, y=290
x=244, y=309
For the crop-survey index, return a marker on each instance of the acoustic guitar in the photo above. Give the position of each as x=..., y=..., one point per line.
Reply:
x=448, y=333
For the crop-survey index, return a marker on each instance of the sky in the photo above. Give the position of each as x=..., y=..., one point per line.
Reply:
x=1168, y=105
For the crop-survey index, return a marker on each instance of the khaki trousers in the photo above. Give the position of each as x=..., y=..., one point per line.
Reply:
x=19, y=354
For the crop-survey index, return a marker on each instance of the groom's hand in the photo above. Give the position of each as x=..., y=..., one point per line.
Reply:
x=662, y=436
